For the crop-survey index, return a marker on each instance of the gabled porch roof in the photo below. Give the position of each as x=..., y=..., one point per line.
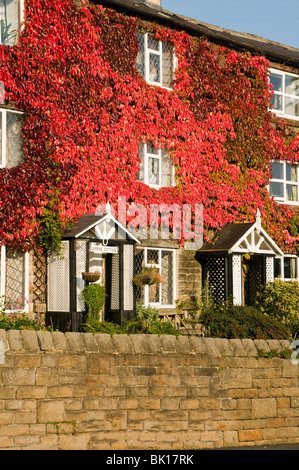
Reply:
x=241, y=238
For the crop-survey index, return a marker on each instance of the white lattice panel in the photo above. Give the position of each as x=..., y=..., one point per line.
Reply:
x=269, y=269
x=115, y=282
x=81, y=255
x=237, y=279
x=128, y=277
x=58, y=271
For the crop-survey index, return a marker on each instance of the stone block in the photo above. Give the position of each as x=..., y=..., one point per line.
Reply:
x=50, y=411
x=235, y=378
x=264, y=408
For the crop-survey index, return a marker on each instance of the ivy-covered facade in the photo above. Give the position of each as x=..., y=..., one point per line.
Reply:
x=123, y=103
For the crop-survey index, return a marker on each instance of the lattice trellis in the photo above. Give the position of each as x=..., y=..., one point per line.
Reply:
x=40, y=278
x=215, y=268
x=139, y=263
x=255, y=278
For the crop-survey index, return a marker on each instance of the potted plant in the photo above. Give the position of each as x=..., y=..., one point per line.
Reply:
x=148, y=276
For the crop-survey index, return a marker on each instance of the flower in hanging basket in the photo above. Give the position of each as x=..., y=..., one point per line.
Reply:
x=91, y=277
x=148, y=276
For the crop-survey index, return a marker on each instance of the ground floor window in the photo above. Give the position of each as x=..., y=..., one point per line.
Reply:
x=163, y=260
x=287, y=267
x=14, y=279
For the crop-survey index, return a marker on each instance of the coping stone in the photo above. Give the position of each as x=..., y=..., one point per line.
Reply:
x=59, y=341
x=14, y=340
x=75, y=341
x=29, y=338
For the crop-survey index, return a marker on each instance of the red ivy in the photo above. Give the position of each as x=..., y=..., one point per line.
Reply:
x=73, y=73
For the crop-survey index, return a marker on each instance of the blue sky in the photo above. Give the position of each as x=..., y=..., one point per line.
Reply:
x=276, y=20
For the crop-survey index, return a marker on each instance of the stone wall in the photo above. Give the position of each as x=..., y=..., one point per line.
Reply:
x=83, y=391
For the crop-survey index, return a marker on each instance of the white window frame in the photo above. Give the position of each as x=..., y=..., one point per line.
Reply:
x=282, y=258
x=284, y=95
x=4, y=111
x=25, y=306
x=159, y=304
x=285, y=182
x=147, y=52
x=146, y=156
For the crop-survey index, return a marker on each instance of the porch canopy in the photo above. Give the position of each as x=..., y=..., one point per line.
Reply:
x=98, y=248
x=222, y=261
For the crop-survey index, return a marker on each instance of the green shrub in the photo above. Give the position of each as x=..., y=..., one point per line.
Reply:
x=145, y=321
x=19, y=320
x=280, y=300
x=94, y=296
x=231, y=321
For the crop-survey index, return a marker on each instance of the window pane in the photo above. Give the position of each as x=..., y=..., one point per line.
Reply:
x=292, y=193
x=292, y=106
x=167, y=171
x=167, y=65
x=153, y=171
x=277, y=170
x=290, y=268
x=1, y=159
x=151, y=149
x=291, y=172
x=154, y=68
x=277, y=81
x=277, y=267
x=153, y=43
x=276, y=189
x=140, y=61
x=154, y=293
x=15, y=279
x=292, y=85
x=14, y=144
x=9, y=16
x=140, y=174
x=167, y=273
x=277, y=101
x=152, y=257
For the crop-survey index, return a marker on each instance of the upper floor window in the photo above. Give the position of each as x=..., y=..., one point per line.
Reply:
x=284, y=186
x=156, y=167
x=155, y=60
x=11, y=144
x=285, y=100
x=10, y=19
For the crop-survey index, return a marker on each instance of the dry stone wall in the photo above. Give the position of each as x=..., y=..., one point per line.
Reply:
x=89, y=392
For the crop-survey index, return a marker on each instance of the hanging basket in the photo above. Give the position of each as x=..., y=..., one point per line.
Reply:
x=148, y=276
x=91, y=277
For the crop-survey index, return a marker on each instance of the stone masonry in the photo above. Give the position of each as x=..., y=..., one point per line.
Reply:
x=88, y=392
